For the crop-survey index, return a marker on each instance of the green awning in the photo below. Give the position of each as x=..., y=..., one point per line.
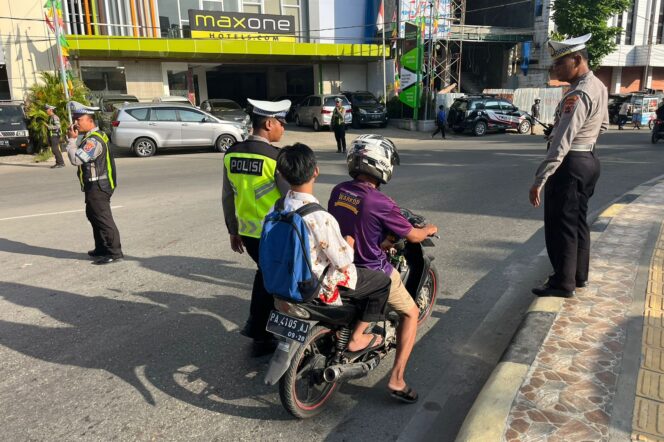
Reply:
x=217, y=50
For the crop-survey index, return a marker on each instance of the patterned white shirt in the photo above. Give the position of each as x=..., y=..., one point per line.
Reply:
x=326, y=247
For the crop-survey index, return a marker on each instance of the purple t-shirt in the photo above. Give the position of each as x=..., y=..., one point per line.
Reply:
x=368, y=215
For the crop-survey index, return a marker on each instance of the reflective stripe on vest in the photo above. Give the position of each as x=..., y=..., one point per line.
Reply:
x=109, y=163
x=252, y=178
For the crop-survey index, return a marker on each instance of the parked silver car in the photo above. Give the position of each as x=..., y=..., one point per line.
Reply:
x=146, y=127
x=227, y=110
x=316, y=110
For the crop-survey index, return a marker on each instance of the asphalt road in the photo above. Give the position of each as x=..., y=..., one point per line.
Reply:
x=149, y=349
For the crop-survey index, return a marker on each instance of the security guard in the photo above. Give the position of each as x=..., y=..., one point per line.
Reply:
x=53, y=126
x=571, y=168
x=251, y=186
x=96, y=173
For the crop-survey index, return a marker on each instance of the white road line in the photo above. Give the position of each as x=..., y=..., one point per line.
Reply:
x=50, y=213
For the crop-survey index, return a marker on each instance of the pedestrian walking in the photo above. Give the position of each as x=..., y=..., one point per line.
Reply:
x=339, y=124
x=251, y=187
x=535, y=113
x=98, y=177
x=441, y=118
x=622, y=114
x=53, y=126
x=571, y=168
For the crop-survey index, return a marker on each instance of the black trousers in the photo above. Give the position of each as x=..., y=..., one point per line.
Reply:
x=440, y=128
x=55, y=148
x=261, y=301
x=106, y=234
x=340, y=137
x=566, y=196
x=371, y=292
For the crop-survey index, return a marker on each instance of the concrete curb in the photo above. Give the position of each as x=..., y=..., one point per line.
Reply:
x=487, y=417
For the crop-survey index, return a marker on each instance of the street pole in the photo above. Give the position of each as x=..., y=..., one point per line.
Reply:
x=63, y=74
x=428, y=88
x=384, y=69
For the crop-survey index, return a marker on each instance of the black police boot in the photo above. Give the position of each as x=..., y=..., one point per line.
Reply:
x=547, y=290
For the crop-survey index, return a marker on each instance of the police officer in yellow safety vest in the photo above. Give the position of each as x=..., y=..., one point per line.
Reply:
x=251, y=186
x=98, y=179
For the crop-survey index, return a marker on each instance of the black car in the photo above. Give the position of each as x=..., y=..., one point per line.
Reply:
x=366, y=109
x=480, y=114
x=14, y=133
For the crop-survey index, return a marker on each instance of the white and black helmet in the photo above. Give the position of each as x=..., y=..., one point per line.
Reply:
x=373, y=155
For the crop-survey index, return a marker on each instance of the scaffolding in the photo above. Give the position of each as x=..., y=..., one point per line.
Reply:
x=445, y=58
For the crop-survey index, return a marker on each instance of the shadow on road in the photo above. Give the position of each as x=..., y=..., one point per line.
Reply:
x=180, y=344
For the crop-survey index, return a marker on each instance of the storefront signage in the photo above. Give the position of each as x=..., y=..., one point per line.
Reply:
x=241, y=26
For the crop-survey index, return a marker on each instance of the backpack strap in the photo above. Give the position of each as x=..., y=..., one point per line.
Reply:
x=309, y=208
x=279, y=205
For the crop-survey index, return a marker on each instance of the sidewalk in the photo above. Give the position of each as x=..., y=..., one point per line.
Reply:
x=597, y=374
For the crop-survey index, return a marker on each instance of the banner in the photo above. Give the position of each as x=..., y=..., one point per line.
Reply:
x=525, y=56
x=241, y=26
x=411, y=67
x=440, y=13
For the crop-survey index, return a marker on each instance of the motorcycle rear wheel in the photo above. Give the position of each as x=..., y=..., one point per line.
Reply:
x=302, y=390
x=426, y=297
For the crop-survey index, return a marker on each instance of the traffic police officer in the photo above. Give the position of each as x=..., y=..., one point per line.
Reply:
x=96, y=173
x=53, y=126
x=571, y=168
x=251, y=186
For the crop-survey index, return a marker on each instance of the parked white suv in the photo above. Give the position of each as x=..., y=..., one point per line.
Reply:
x=146, y=127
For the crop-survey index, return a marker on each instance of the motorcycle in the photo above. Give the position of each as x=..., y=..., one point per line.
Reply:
x=311, y=359
x=657, y=131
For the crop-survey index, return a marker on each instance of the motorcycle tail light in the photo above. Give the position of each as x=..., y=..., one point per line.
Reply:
x=291, y=309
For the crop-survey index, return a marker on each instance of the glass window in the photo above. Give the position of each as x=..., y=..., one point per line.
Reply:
x=305, y=102
x=252, y=6
x=177, y=83
x=629, y=27
x=11, y=114
x=507, y=106
x=106, y=79
x=163, y=114
x=330, y=101
x=314, y=101
x=213, y=5
x=232, y=5
x=187, y=115
x=4, y=83
x=492, y=105
x=139, y=114
x=224, y=105
x=364, y=99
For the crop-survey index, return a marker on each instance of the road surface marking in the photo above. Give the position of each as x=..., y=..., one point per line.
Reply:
x=50, y=213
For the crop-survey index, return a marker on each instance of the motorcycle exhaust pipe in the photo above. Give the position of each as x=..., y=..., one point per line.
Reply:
x=344, y=372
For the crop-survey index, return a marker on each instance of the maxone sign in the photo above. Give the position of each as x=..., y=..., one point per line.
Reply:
x=241, y=26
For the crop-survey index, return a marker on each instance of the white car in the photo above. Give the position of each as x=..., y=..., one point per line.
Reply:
x=146, y=127
x=316, y=111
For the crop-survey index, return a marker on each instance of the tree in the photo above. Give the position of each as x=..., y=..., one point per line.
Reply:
x=574, y=18
x=49, y=91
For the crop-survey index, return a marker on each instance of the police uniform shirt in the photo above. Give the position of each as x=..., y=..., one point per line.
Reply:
x=228, y=195
x=84, y=151
x=54, y=125
x=581, y=116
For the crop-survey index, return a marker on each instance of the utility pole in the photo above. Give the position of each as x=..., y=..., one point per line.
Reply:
x=651, y=22
x=63, y=74
x=384, y=68
x=429, y=67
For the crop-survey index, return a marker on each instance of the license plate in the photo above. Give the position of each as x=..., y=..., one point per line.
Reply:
x=4, y=142
x=287, y=327
x=375, y=117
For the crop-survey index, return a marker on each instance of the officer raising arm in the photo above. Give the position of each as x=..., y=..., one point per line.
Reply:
x=571, y=168
x=97, y=176
x=251, y=186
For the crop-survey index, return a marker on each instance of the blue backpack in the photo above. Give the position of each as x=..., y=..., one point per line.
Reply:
x=284, y=254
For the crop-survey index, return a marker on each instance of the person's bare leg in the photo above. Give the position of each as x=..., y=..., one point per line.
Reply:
x=360, y=340
x=406, y=333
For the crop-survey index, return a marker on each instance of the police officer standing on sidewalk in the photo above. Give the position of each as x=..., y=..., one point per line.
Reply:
x=571, y=168
x=96, y=173
x=251, y=186
x=53, y=126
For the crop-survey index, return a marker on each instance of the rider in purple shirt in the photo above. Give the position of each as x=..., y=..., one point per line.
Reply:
x=368, y=216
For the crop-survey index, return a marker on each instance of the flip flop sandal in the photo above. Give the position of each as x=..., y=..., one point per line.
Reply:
x=372, y=346
x=407, y=395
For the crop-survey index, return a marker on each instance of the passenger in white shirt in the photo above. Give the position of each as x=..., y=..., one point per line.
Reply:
x=297, y=164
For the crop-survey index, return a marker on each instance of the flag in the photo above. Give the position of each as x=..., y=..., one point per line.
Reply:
x=63, y=41
x=380, y=20
x=395, y=30
x=49, y=23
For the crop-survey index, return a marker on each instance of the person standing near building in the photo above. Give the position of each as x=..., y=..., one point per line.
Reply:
x=339, y=125
x=571, y=168
x=98, y=178
x=440, y=122
x=251, y=186
x=622, y=114
x=535, y=113
x=53, y=126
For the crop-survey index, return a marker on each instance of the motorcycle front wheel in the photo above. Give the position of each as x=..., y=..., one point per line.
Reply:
x=302, y=389
x=426, y=297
